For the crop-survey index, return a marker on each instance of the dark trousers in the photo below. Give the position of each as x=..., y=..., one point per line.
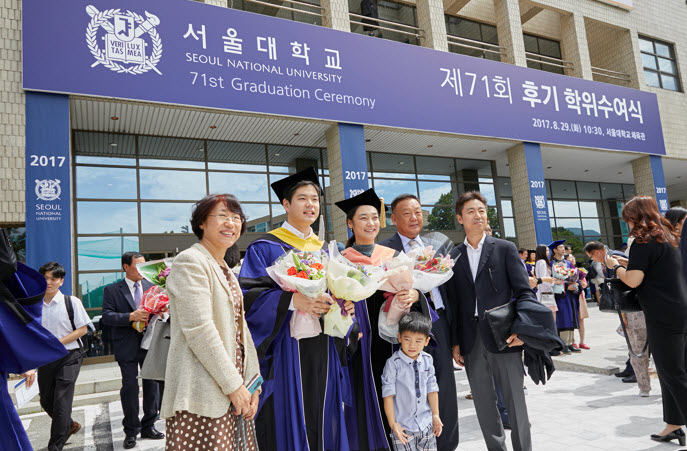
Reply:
x=669, y=348
x=446, y=379
x=483, y=368
x=129, y=396
x=56, y=382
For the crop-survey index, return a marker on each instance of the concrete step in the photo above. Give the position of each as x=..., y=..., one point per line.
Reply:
x=80, y=400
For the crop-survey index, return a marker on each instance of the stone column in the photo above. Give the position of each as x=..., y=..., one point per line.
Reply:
x=335, y=15
x=574, y=46
x=650, y=180
x=336, y=188
x=530, y=206
x=12, y=118
x=430, y=17
x=509, y=30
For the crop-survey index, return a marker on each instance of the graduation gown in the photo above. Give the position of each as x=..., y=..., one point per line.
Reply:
x=306, y=382
x=368, y=428
x=568, y=304
x=24, y=345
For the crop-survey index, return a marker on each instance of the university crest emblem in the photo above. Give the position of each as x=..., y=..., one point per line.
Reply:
x=539, y=202
x=48, y=189
x=125, y=44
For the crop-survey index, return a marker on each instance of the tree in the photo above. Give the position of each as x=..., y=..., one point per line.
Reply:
x=442, y=216
x=569, y=237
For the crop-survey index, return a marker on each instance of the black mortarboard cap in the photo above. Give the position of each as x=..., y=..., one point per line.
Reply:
x=281, y=187
x=368, y=197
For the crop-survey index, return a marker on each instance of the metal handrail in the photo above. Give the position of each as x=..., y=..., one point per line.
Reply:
x=558, y=60
x=289, y=8
x=418, y=33
x=451, y=36
x=600, y=71
x=500, y=50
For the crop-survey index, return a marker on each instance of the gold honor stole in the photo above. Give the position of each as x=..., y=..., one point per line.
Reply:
x=310, y=244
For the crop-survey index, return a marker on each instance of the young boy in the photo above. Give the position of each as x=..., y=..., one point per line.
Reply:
x=410, y=390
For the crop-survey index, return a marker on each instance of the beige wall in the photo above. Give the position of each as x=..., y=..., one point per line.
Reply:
x=11, y=115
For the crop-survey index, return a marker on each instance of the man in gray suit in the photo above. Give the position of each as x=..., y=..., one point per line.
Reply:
x=488, y=273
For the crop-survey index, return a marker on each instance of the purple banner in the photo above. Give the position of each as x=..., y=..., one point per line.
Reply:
x=187, y=53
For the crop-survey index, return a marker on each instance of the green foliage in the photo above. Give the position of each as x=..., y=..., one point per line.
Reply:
x=562, y=233
x=442, y=217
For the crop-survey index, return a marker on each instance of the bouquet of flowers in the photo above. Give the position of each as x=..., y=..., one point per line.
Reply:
x=154, y=299
x=561, y=271
x=351, y=282
x=337, y=322
x=431, y=270
x=399, y=277
x=303, y=272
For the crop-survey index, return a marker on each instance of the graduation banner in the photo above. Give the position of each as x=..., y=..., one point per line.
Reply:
x=540, y=208
x=188, y=53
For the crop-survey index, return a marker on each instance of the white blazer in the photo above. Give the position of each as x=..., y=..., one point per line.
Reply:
x=201, y=370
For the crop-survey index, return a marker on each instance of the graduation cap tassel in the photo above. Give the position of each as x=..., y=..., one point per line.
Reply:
x=382, y=214
x=321, y=235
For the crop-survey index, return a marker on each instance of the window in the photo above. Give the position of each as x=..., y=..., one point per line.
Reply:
x=404, y=26
x=545, y=53
x=474, y=31
x=660, y=65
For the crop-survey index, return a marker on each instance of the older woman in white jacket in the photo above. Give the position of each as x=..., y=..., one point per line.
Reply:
x=211, y=354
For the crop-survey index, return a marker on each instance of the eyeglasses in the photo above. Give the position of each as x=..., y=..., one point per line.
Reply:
x=236, y=219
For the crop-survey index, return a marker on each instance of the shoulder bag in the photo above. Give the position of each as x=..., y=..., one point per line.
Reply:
x=155, y=363
x=617, y=297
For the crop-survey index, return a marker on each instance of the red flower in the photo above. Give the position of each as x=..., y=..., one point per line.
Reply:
x=302, y=275
x=317, y=266
x=291, y=271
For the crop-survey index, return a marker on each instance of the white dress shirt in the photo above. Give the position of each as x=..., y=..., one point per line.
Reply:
x=473, y=258
x=436, y=295
x=56, y=319
x=130, y=283
x=295, y=231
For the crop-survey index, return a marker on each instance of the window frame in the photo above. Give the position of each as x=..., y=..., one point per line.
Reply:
x=656, y=56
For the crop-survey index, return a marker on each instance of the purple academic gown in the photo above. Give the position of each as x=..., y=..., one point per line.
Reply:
x=306, y=382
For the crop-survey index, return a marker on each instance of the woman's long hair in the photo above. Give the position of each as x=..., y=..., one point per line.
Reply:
x=541, y=253
x=648, y=222
x=349, y=216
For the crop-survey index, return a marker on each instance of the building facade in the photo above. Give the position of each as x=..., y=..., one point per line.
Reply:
x=113, y=162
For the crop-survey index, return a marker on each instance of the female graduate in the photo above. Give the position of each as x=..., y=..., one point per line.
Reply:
x=25, y=345
x=306, y=385
x=364, y=217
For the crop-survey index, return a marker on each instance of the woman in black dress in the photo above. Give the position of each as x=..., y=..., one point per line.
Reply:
x=655, y=269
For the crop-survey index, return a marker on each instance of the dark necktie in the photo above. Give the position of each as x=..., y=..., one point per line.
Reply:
x=417, y=379
x=137, y=293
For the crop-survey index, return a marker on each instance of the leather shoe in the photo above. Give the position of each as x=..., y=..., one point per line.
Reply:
x=506, y=426
x=630, y=379
x=152, y=434
x=73, y=429
x=678, y=434
x=624, y=373
x=572, y=349
x=130, y=442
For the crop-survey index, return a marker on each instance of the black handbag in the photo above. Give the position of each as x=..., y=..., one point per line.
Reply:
x=618, y=297
x=8, y=259
x=500, y=321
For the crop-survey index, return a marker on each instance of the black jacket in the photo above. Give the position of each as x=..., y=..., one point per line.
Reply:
x=117, y=305
x=500, y=279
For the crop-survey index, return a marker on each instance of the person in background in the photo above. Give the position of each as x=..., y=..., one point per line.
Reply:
x=566, y=317
x=410, y=390
x=211, y=353
x=120, y=311
x=65, y=317
x=582, y=311
x=542, y=270
x=654, y=268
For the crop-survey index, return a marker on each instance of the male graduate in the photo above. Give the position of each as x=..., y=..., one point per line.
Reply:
x=406, y=214
x=301, y=404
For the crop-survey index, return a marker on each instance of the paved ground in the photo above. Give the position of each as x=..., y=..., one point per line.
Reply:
x=573, y=411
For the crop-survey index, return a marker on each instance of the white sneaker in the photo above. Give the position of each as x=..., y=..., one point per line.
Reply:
x=644, y=394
